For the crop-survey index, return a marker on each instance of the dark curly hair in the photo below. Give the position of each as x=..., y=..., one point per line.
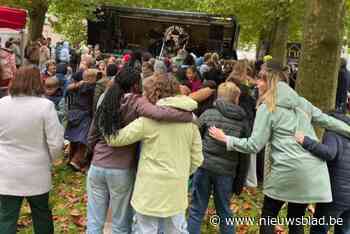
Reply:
x=108, y=119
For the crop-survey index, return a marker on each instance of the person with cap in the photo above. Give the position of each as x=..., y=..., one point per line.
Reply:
x=295, y=175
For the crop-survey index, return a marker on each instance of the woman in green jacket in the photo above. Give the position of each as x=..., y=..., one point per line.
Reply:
x=296, y=176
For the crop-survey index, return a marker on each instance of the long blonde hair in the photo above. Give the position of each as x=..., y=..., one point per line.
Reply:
x=270, y=96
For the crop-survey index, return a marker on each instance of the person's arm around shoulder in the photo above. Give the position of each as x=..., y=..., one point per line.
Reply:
x=161, y=113
x=202, y=94
x=260, y=135
x=132, y=133
x=54, y=132
x=75, y=85
x=326, y=151
x=196, y=150
x=325, y=121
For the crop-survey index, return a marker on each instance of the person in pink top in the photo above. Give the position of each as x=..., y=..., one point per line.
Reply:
x=193, y=80
x=8, y=69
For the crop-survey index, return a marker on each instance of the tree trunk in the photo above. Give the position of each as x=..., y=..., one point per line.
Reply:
x=260, y=47
x=265, y=41
x=279, y=39
x=321, y=47
x=37, y=19
x=276, y=32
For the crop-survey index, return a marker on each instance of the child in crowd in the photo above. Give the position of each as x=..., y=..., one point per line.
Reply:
x=50, y=70
x=54, y=93
x=222, y=173
x=193, y=80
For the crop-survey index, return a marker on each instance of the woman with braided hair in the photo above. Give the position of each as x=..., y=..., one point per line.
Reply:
x=112, y=173
x=170, y=152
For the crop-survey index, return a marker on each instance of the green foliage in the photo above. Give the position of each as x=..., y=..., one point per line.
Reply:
x=25, y=4
x=71, y=15
x=347, y=23
x=254, y=16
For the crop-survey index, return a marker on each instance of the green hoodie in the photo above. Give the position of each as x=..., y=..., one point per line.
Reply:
x=170, y=152
x=296, y=175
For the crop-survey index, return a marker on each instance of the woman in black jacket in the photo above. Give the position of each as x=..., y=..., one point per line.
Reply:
x=335, y=149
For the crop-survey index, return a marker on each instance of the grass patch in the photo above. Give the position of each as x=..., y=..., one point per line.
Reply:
x=68, y=199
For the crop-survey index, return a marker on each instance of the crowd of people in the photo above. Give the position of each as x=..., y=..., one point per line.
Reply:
x=146, y=128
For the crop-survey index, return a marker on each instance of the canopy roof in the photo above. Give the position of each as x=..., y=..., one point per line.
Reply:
x=12, y=18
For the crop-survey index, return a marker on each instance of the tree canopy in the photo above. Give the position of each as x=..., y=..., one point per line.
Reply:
x=254, y=16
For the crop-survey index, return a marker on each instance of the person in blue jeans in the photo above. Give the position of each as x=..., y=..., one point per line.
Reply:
x=222, y=173
x=111, y=177
x=335, y=149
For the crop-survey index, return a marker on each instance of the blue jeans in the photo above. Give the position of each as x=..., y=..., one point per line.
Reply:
x=170, y=225
x=327, y=210
x=204, y=182
x=105, y=188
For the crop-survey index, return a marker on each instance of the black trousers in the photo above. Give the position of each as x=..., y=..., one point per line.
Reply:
x=10, y=207
x=271, y=209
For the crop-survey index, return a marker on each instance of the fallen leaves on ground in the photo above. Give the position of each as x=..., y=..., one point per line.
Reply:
x=69, y=199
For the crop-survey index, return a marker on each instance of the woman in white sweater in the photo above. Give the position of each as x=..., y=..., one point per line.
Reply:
x=30, y=138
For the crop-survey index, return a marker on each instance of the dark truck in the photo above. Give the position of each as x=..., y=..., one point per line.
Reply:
x=117, y=28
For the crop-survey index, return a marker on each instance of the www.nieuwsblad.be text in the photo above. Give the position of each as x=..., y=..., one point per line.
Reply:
x=305, y=221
